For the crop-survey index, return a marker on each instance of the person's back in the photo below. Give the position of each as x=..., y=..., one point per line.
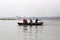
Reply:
x=30, y=21
x=36, y=21
x=24, y=21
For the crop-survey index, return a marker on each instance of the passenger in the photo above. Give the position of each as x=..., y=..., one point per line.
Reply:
x=36, y=21
x=30, y=21
x=24, y=21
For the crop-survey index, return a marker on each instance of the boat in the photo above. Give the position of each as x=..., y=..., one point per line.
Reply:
x=40, y=23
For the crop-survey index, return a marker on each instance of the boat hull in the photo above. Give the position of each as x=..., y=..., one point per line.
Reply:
x=41, y=23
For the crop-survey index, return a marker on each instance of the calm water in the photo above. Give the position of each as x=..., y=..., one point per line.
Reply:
x=9, y=30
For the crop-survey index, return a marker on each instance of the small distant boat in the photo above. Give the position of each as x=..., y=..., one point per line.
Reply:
x=40, y=23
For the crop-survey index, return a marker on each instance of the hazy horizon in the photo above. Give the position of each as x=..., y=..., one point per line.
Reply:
x=30, y=8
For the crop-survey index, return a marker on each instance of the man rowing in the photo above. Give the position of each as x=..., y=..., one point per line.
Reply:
x=36, y=21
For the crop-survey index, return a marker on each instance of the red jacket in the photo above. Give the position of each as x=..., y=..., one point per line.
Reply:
x=24, y=21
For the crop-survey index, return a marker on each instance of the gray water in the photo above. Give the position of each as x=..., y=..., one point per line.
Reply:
x=9, y=30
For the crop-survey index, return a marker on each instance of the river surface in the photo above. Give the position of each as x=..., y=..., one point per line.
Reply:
x=9, y=30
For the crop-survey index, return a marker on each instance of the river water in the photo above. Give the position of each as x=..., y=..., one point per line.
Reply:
x=9, y=30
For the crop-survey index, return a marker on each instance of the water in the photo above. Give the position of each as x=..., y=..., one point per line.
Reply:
x=9, y=30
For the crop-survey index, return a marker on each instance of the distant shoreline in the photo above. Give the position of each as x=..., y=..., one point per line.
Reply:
x=33, y=18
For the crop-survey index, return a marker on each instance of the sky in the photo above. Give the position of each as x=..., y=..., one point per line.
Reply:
x=30, y=8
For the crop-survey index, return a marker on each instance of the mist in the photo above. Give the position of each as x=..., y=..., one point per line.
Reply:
x=30, y=8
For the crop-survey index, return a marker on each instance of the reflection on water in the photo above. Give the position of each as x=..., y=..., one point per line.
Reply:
x=9, y=30
x=30, y=32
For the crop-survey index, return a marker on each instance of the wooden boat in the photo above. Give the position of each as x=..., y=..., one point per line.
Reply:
x=40, y=23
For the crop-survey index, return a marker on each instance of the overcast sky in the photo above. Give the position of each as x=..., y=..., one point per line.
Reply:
x=37, y=8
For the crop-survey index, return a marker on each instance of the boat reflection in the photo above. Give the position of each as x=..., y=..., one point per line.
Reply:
x=24, y=27
x=30, y=32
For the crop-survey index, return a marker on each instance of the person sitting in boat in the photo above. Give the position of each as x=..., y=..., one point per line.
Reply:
x=36, y=21
x=30, y=21
x=24, y=21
